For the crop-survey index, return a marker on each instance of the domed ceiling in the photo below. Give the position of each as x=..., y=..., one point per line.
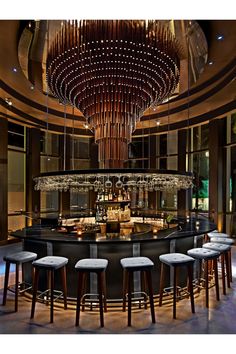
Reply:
x=206, y=88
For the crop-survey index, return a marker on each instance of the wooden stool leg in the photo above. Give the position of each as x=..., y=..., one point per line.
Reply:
x=125, y=287
x=104, y=290
x=99, y=275
x=64, y=285
x=177, y=282
x=227, y=269
x=190, y=276
x=16, y=287
x=6, y=279
x=174, y=294
x=48, y=286
x=216, y=279
x=206, y=282
x=230, y=266
x=83, y=291
x=150, y=290
x=22, y=272
x=144, y=283
x=199, y=274
x=161, y=284
x=79, y=293
x=129, y=297
x=223, y=273
x=52, y=291
x=35, y=288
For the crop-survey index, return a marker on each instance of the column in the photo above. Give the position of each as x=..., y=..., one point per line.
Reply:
x=183, y=195
x=3, y=181
x=216, y=172
x=32, y=169
x=64, y=164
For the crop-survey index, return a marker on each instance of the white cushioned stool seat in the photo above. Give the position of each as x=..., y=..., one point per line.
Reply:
x=217, y=234
x=52, y=262
x=203, y=253
x=20, y=257
x=175, y=259
x=91, y=264
x=219, y=247
x=136, y=263
x=224, y=240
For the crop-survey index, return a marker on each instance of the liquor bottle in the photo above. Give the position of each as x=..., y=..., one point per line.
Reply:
x=106, y=196
x=104, y=214
x=110, y=197
x=120, y=197
x=128, y=195
x=97, y=214
x=59, y=223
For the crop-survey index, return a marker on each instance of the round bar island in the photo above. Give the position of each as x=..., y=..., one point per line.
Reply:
x=47, y=241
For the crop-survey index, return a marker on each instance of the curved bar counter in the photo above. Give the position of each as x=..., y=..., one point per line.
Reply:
x=46, y=241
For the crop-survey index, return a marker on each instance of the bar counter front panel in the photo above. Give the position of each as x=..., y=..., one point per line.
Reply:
x=46, y=241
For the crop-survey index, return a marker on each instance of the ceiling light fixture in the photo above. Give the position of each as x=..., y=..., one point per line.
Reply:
x=220, y=37
x=8, y=101
x=112, y=71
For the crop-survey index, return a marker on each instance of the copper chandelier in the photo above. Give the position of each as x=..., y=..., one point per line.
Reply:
x=112, y=71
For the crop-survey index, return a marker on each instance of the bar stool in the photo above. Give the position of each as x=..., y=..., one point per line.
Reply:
x=223, y=250
x=206, y=255
x=215, y=233
x=50, y=264
x=177, y=260
x=225, y=241
x=131, y=265
x=97, y=266
x=18, y=258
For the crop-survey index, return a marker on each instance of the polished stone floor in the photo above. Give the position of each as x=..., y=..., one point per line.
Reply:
x=219, y=319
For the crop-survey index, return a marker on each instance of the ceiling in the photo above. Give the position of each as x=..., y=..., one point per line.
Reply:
x=211, y=96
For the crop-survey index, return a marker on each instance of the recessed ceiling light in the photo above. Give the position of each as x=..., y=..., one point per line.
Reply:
x=14, y=70
x=86, y=126
x=210, y=62
x=32, y=87
x=220, y=37
x=158, y=122
x=8, y=101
